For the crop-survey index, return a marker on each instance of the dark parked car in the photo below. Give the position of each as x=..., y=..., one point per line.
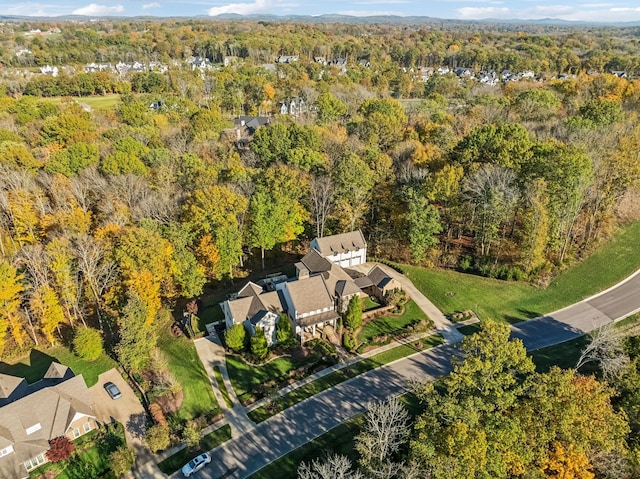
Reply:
x=112, y=390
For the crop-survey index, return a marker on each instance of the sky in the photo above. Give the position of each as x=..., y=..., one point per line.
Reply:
x=577, y=10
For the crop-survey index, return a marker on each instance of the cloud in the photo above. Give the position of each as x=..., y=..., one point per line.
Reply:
x=596, y=5
x=478, y=13
x=29, y=9
x=258, y=6
x=147, y=6
x=381, y=2
x=95, y=9
x=582, y=13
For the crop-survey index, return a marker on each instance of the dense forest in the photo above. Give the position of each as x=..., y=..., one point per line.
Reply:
x=150, y=200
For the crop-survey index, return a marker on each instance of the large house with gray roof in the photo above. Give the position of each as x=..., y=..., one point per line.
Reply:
x=316, y=297
x=59, y=404
x=346, y=249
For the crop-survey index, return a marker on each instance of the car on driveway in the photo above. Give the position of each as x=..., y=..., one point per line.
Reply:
x=195, y=464
x=112, y=390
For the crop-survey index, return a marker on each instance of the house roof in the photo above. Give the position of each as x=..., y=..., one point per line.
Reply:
x=309, y=294
x=342, y=243
x=30, y=422
x=11, y=388
x=364, y=282
x=378, y=277
x=253, y=301
x=318, y=318
x=315, y=262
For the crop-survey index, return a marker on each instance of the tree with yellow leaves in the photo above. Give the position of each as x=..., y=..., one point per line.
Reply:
x=45, y=305
x=567, y=463
x=10, y=291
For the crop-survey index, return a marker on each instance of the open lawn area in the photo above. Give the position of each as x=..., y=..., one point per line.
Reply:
x=245, y=378
x=185, y=365
x=97, y=102
x=391, y=325
x=33, y=367
x=511, y=301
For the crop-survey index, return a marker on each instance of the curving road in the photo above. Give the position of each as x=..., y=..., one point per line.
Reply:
x=242, y=456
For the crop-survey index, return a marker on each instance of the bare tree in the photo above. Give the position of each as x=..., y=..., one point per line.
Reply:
x=492, y=192
x=322, y=193
x=334, y=467
x=606, y=348
x=386, y=430
x=96, y=270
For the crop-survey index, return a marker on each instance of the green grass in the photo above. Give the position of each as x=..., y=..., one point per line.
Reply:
x=208, y=442
x=469, y=329
x=97, y=102
x=391, y=325
x=245, y=378
x=185, y=365
x=564, y=355
x=340, y=440
x=369, y=304
x=91, y=458
x=33, y=367
x=508, y=301
x=222, y=387
x=337, y=377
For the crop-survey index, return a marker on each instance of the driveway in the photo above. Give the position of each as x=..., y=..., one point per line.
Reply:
x=127, y=409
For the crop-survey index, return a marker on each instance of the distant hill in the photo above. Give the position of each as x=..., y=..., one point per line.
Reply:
x=328, y=18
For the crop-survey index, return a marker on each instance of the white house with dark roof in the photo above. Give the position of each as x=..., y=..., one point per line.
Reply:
x=346, y=249
x=316, y=297
x=60, y=404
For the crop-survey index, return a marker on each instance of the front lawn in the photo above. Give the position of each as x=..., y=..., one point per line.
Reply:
x=33, y=367
x=311, y=389
x=391, y=325
x=245, y=378
x=208, y=442
x=186, y=367
x=511, y=301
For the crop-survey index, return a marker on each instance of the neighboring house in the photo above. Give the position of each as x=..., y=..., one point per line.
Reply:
x=347, y=249
x=253, y=307
x=60, y=404
x=250, y=123
x=316, y=297
x=49, y=70
x=287, y=59
x=377, y=283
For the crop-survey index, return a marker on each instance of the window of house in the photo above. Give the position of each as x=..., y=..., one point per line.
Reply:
x=6, y=450
x=35, y=462
x=76, y=433
x=87, y=427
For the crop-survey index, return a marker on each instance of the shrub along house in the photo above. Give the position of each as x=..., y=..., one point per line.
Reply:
x=32, y=414
x=316, y=297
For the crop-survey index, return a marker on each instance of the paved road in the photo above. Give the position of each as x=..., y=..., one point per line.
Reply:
x=299, y=424
x=613, y=304
x=305, y=421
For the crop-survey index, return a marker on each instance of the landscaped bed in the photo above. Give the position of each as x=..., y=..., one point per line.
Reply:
x=319, y=385
x=91, y=456
x=248, y=379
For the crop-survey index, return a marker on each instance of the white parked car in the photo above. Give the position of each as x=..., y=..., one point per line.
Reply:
x=195, y=464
